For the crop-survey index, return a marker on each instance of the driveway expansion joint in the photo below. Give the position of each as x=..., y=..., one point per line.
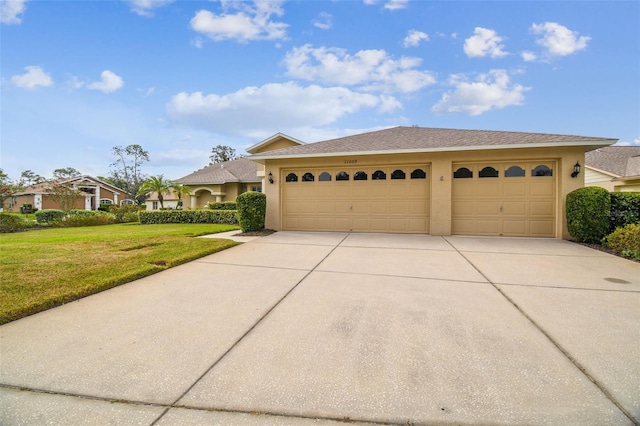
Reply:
x=557, y=344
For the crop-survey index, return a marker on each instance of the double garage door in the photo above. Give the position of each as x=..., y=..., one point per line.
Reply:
x=374, y=199
x=490, y=198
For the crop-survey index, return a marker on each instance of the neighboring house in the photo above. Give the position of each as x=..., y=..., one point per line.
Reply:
x=615, y=168
x=426, y=181
x=225, y=181
x=96, y=192
x=169, y=201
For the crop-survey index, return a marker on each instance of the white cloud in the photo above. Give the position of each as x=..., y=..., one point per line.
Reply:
x=11, y=11
x=491, y=90
x=324, y=21
x=272, y=106
x=370, y=69
x=559, y=40
x=110, y=82
x=251, y=22
x=34, y=77
x=635, y=142
x=146, y=7
x=528, y=56
x=414, y=37
x=484, y=42
x=390, y=4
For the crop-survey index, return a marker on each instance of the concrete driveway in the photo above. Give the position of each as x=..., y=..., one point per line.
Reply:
x=320, y=328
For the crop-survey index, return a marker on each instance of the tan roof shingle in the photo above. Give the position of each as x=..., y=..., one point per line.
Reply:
x=422, y=139
x=617, y=160
x=240, y=170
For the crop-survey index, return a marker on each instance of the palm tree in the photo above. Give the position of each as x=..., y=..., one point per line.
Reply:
x=180, y=190
x=159, y=185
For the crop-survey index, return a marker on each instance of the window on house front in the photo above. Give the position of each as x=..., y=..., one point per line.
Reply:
x=418, y=174
x=256, y=188
x=105, y=201
x=462, y=173
x=291, y=177
x=542, y=170
x=342, y=176
x=514, y=171
x=379, y=175
x=126, y=201
x=308, y=177
x=154, y=205
x=488, y=172
x=360, y=175
x=324, y=177
x=398, y=174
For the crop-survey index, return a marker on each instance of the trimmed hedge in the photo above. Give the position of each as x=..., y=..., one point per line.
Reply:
x=224, y=217
x=49, y=215
x=625, y=209
x=252, y=208
x=625, y=240
x=10, y=222
x=224, y=205
x=588, y=211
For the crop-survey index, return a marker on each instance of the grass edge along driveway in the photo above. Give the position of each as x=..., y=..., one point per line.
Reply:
x=42, y=269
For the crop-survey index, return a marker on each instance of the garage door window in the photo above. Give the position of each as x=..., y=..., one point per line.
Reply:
x=488, y=172
x=463, y=173
x=398, y=174
x=379, y=175
x=291, y=177
x=514, y=171
x=542, y=170
x=324, y=177
x=342, y=176
x=308, y=177
x=418, y=174
x=360, y=175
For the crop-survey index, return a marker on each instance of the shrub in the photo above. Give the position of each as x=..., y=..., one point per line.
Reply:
x=12, y=223
x=125, y=213
x=225, y=217
x=225, y=205
x=84, y=218
x=252, y=208
x=588, y=211
x=625, y=240
x=81, y=212
x=625, y=209
x=49, y=215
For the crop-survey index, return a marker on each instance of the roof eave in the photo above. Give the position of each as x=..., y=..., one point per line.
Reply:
x=595, y=144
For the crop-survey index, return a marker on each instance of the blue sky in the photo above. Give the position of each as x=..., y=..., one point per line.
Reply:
x=179, y=77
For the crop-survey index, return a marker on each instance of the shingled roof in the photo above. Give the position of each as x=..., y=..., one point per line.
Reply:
x=240, y=170
x=619, y=161
x=424, y=139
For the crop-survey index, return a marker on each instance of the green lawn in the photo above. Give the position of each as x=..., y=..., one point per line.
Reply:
x=40, y=269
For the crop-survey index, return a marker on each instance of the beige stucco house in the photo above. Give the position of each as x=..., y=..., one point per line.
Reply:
x=424, y=180
x=96, y=192
x=615, y=168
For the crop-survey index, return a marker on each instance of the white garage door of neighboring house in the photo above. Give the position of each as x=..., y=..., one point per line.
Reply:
x=362, y=199
x=510, y=198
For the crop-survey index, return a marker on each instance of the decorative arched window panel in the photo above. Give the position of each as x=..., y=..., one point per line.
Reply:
x=462, y=173
x=542, y=170
x=398, y=174
x=291, y=177
x=488, y=172
x=324, y=177
x=418, y=174
x=379, y=175
x=106, y=201
x=360, y=175
x=342, y=176
x=514, y=171
x=308, y=177
x=126, y=201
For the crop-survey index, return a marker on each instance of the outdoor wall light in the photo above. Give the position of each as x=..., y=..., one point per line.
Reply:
x=271, y=176
x=576, y=170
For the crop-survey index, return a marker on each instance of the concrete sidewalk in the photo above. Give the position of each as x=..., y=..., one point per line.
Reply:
x=302, y=328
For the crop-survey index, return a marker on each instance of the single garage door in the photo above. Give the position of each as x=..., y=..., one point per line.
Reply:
x=373, y=199
x=508, y=198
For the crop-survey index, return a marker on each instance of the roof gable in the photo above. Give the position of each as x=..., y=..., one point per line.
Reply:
x=277, y=141
x=616, y=160
x=422, y=139
x=43, y=187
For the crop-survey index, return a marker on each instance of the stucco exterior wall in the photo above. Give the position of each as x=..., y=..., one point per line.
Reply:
x=441, y=164
x=596, y=178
